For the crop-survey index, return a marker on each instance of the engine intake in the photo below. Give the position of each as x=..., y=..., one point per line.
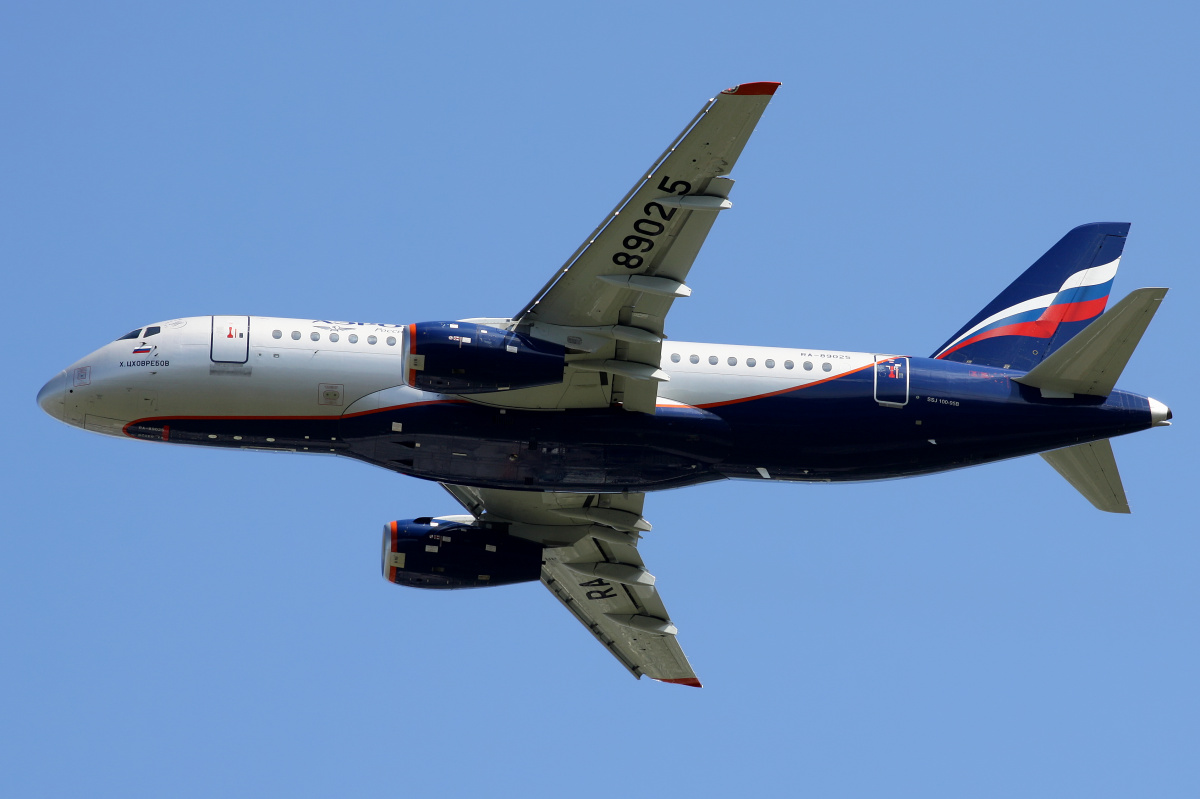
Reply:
x=468, y=358
x=441, y=553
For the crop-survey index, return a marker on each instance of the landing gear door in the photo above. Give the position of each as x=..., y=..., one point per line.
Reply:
x=891, y=381
x=230, y=339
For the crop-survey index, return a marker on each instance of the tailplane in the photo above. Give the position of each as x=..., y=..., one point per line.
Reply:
x=1092, y=470
x=1091, y=362
x=1047, y=305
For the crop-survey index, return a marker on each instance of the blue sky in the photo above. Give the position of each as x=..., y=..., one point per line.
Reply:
x=193, y=623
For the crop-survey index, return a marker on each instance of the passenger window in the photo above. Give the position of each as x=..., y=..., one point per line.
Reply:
x=827, y=367
x=152, y=331
x=334, y=336
x=391, y=341
x=770, y=363
x=788, y=364
x=751, y=362
x=315, y=336
x=276, y=334
x=808, y=366
x=371, y=339
x=131, y=334
x=712, y=359
x=295, y=335
x=674, y=357
x=694, y=359
x=353, y=338
x=732, y=361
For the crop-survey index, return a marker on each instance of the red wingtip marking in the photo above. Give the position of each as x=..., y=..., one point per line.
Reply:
x=762, y=87
x=692, y=681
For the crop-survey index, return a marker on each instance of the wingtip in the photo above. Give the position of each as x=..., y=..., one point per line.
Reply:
x=692, y=681
x=761, y=87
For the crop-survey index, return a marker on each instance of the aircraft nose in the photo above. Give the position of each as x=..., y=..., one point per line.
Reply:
x=53, y=396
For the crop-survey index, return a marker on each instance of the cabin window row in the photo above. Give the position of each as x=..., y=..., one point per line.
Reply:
x=352, y=338
x=769, y=363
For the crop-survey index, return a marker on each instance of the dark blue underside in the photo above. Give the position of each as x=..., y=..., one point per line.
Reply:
x=956, y=415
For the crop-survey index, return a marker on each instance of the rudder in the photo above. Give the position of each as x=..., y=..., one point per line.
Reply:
x=1057, y=297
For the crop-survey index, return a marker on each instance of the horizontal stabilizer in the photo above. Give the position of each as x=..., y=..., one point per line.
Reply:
x=1092, y=469
x=1091, y=362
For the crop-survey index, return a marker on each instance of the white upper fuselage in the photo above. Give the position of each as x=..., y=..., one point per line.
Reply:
x=313, y=368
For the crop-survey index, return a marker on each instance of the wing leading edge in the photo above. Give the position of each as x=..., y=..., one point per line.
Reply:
x=591, y=564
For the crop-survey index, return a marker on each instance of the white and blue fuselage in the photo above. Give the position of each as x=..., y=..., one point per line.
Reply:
x=726, y=411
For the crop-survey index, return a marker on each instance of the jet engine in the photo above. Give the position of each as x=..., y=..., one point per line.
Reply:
x=468, y=358
x=447, y=552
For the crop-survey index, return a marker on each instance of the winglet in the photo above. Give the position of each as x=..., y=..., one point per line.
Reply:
x=692, y=681
x=761, y=87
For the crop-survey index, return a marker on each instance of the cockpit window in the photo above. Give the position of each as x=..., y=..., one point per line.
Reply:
x=132, y=334
x=152, y=331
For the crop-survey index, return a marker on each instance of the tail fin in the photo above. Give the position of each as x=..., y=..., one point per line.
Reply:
x=1049, y=303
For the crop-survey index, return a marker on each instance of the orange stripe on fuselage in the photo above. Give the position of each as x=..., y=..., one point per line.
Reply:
x=786, y=390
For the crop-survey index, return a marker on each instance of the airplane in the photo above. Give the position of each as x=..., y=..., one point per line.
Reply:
x=550, y=426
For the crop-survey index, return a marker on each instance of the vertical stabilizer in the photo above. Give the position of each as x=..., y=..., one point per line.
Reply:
x=1049, y=303
x=1092, y=469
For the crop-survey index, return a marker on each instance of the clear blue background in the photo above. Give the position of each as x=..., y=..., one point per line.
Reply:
x=181, y=622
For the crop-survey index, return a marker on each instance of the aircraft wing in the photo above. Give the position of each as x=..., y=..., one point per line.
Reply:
x=592, y=565
x=612, y=295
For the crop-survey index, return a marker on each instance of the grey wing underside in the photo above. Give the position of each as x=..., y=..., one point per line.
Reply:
x=591, y=563
x=612, y=312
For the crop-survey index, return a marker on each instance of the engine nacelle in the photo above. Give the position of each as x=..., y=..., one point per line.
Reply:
x=468, y=358
x=442, y=553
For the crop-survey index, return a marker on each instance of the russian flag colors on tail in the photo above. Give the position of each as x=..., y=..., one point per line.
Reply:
x=1050, y=302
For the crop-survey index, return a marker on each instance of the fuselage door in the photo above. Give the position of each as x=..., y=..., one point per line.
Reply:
x=891, y=381
x=230, y=339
